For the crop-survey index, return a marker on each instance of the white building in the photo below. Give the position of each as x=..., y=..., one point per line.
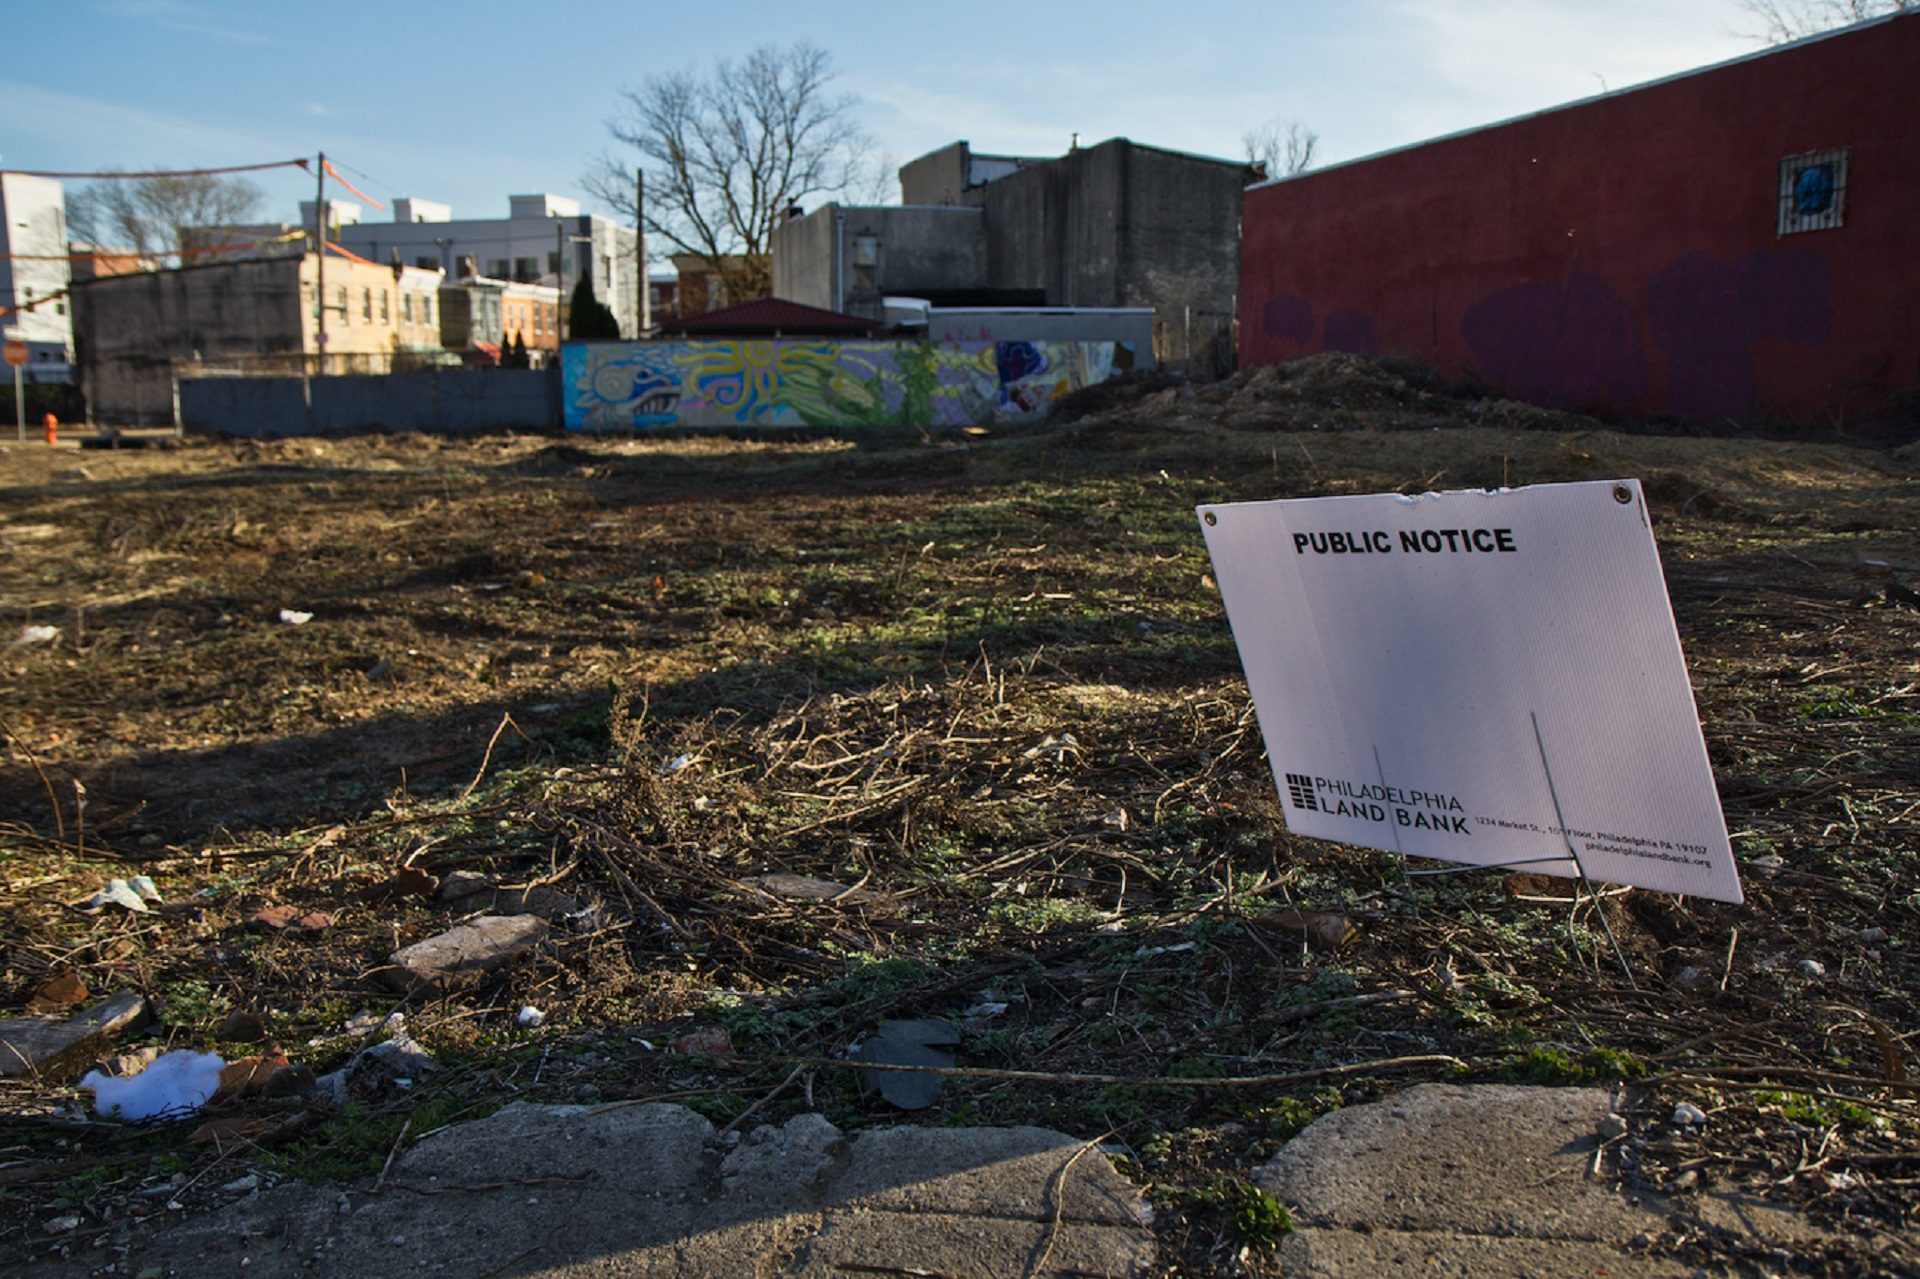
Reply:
x=544, y=239
x=34, y=274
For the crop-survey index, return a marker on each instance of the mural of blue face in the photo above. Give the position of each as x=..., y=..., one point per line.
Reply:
x=655, y=397
x=1018, y=360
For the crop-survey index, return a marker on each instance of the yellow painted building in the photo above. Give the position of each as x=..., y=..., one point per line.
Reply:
x=531, y=311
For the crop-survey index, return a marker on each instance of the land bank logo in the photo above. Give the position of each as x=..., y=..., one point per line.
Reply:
x=1375, y=802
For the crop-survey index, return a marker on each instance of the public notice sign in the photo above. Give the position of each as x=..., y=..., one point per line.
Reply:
x=1478, y=677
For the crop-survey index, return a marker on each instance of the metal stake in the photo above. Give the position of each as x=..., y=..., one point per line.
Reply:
x=1600, y=907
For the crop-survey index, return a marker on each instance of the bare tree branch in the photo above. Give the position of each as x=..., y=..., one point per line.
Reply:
x=1280, y=147
x=150, y=215
x=1784, y=20
x=725, y=156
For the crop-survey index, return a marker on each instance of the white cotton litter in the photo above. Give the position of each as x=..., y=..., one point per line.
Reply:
x=37, y=635
x=295, y=617
x=529, y=1018
x=177, y=1083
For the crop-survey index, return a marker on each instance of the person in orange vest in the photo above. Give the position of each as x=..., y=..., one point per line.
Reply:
x=53, y=429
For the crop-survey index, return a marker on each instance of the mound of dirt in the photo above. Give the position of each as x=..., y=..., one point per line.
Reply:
x=1113, y=395
x=1334, y=391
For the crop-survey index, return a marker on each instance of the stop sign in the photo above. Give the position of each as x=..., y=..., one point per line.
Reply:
x=16, y=353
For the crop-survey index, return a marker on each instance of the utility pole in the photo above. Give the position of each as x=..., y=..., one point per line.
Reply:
x=645, y=310
x=320, y=268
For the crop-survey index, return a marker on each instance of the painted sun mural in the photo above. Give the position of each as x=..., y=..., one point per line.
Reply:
x=724, y=382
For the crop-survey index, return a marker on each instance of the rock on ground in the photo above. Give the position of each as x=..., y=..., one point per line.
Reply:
x=54, y=1047
x=568, y=1192
x=469, y=951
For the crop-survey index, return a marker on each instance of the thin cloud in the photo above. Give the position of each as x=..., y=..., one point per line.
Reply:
x=189, y=19
x=72, y=123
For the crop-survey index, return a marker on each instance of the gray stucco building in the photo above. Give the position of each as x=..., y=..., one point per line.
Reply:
x=545, y=239
x=1112, y=225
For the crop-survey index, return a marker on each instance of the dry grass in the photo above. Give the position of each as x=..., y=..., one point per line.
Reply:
x=988, y=692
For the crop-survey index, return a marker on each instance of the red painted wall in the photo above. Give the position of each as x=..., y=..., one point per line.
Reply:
x=1622, y=254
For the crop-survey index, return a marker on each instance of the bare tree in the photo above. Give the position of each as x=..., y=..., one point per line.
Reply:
x=1281, y=147
x=727, y=154
x=1784, y=20
x=151, y=215
x=878, y=181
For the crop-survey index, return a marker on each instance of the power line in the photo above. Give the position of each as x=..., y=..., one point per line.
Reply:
x=379, y=182
x=164, y=173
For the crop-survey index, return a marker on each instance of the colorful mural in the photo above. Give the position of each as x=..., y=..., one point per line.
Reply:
x=724, y=382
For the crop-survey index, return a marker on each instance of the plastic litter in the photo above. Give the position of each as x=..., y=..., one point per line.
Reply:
x=175, y=1083
x=120, y=892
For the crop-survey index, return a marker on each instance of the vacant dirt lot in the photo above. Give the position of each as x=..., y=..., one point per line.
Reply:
x=985, y=687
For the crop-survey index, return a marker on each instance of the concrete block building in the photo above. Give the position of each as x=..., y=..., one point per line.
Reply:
x=1117, y=225
x=139, y=332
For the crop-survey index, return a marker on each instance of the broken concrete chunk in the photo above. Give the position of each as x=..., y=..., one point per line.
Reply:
x=458, y=885
x=805, y=888
x=470, y=951
x=548, y=903
x=53, y=1047
x=466, y=890
x=782, y=1165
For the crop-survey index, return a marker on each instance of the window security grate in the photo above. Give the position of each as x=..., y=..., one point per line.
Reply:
x=1813, y=191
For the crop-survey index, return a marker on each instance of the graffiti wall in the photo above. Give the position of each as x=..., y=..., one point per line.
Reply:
x=732, y=382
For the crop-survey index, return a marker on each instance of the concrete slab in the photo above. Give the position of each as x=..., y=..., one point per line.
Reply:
x=1487, y=1180
x=951, y=1170
x=566, y=1192
x=1400, y=1254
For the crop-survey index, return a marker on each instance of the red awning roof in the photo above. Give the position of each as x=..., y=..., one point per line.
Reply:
x=771, y=317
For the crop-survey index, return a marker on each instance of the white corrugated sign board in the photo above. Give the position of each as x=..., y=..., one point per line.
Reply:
x=1402, y=650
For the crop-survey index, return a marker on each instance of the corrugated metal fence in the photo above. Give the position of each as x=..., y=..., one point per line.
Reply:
x=452, y=402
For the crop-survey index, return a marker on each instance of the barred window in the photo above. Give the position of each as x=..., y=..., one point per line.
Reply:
x=1813, y=191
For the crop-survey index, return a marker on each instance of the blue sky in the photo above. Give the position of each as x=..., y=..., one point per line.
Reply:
x=468, y=102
